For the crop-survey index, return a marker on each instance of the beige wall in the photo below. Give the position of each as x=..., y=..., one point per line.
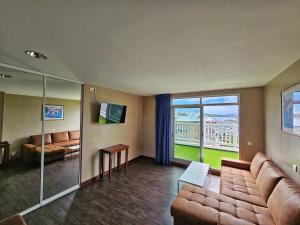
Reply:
x=148, y=126
x=1, y=114
x=251, y=120
x=22, y=118
x=71, y=119
x=282, y=148
x=96, y=136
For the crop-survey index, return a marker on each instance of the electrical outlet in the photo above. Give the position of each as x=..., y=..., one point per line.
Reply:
x=92, y=89
x=295, y=168
x=249, y=143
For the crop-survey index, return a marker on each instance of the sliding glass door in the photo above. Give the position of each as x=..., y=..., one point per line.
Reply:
x=187, y=133
x=220, y=134
x=206, y=128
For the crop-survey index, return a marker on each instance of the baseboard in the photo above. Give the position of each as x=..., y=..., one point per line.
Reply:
x=97, y=178
x=147, y=157
x=179, y=164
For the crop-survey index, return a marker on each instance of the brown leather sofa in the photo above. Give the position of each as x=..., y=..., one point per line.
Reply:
x=250, y=193
x=56, y=146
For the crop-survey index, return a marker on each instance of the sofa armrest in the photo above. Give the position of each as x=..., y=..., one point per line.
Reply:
x=236, y=163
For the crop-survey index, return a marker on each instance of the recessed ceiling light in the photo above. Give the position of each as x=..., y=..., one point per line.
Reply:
x=2, y=75
x=35, y=54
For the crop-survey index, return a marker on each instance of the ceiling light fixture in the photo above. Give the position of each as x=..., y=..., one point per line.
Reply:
x=2, y=75
x=35, y=54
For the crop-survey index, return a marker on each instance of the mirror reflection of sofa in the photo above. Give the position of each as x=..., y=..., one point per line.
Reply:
x=56, y=146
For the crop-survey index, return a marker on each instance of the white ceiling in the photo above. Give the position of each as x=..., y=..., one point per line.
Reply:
x=154, y=46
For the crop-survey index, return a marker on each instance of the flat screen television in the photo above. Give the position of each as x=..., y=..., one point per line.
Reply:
x=112, y=113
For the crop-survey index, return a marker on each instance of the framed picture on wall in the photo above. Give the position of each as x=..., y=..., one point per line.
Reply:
x=54, y=112
x=290, y=110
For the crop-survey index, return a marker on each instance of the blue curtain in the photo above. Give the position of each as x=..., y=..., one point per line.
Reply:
x=163, y=128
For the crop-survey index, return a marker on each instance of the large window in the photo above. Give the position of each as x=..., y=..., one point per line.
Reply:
x=206, y=128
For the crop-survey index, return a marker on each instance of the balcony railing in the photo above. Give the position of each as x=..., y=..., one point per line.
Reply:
x=216, y=134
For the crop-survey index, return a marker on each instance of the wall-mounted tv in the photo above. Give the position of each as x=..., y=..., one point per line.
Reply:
x=112, y=113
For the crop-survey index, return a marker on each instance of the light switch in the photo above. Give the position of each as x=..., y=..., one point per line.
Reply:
x=295, y=167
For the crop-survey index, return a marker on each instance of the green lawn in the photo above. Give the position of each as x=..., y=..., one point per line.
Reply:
x=102, y=120
x=211, y=156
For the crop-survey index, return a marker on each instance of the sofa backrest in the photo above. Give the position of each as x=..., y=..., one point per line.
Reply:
x=60, y=137
x=284, y=203
x=74, y=135
x=257, y=163
x=37, y=139
x=268, y=177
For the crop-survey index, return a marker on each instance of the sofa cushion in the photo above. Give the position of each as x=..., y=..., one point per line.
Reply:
x=74, y=135
x=196, y=205
x=268, y=177
x=51, y=149
x=60, y=137
x=68, y=143
x=284, y=203
x=257, y=163
x=241, y=185
x=235, y=172
x=236, y=163
x=37, y=139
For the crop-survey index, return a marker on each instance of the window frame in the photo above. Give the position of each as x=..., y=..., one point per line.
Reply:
x=201, y=107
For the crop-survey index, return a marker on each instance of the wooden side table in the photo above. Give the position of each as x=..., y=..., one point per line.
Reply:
x=5, y=146
x=111, y=150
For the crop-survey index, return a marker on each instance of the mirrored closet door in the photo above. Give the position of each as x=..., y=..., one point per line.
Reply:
x=40, y=120
x=20, y=152
x=62, y=136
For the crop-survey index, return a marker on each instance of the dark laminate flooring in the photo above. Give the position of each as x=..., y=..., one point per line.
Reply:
x=141, y=196
x=20, y=183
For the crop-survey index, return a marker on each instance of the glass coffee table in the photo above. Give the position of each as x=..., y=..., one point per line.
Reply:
x=195, y=174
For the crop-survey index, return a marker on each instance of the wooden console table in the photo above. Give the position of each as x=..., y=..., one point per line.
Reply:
x=5, y=146
x=111, y=150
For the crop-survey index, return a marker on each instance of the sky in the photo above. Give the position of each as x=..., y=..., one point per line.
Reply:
x=206, y=100
x=220, y=110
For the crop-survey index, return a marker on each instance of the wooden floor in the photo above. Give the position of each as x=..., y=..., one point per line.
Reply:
x=142, y=196
x=20, y=183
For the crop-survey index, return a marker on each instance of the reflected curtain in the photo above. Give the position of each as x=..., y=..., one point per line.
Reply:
x=163, y=129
